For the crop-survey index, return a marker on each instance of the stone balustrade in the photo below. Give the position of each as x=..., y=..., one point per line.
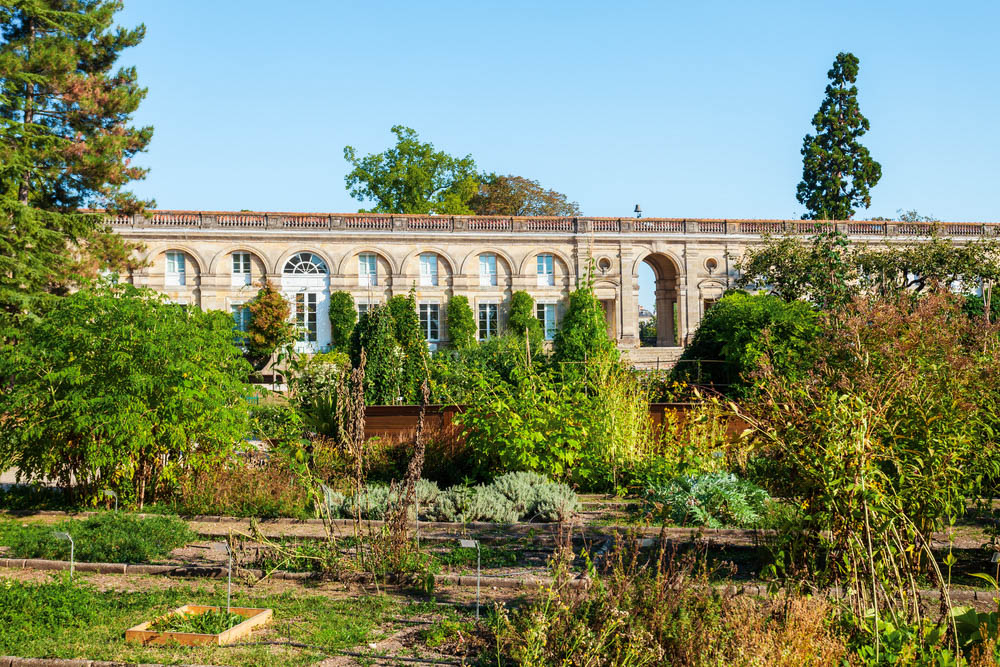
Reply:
x=875, y=229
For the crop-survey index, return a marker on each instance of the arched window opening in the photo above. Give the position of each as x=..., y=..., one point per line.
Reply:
x=305, y=263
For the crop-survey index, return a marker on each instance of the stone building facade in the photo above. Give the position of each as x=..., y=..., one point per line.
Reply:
x=217, y=260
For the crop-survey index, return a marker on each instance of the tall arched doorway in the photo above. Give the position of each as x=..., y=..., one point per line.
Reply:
x=305, y=280
x=665, y=297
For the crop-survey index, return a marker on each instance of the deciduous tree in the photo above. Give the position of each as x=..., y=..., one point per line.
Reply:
x=412, y=177
x=837, y=170
x=113, y=387
x=516, y=195
x=269, y=328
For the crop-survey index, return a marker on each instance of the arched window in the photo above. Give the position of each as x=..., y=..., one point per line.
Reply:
x=305, y=263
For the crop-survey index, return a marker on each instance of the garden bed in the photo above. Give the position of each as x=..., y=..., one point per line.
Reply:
x=166, y=629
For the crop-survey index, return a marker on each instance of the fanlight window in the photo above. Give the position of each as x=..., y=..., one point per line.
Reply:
x=306, y=263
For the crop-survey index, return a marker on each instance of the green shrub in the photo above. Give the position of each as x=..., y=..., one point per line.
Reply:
x=316, y=376
x=465, y=504
x=523, y=321
x=109, y=537
x=461, y=322
x=267, y=491
x=587, y=427
x=737, y=333
x=376, y=335
x=583, y=332
x=712, y=500
x=412, y=344
x=343, y=317
x=536, y=496
x=276, y=423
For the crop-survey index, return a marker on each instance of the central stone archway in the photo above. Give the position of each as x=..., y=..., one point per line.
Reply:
x=667, y=273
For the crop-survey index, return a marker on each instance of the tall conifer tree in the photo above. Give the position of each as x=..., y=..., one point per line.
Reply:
x=837, y=171
x=65, y=140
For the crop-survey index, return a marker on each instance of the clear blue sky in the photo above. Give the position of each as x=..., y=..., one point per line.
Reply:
x=692, y=109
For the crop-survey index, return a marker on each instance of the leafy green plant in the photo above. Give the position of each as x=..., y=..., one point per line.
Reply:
x=712, y=500
x=523, y=321
x=536, y=497
x=343, y=318
x=109, y=537
x=461, y=322
x=315, y=376
x=739, y=332
x=28, y=610
x=115, y=387
x=411, y=343
x=277, y=424
x=211, y=622
x=375, y=334
x=583, y=331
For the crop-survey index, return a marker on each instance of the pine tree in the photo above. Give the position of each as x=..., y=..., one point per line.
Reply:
x=65, y=141
x=837, y=171
x=343, y=317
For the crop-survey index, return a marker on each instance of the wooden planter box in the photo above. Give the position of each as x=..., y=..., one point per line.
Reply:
x=254, y=617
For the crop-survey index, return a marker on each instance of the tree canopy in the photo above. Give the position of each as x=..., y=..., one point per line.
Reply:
x=412, y=177
x=66, y=142
x=837, y=170
x=516, y=195
x=827, y=271
x=269, y=328
x=114, y=387
x=737, y=333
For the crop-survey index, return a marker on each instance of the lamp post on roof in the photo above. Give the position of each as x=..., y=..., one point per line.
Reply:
x=638, y=211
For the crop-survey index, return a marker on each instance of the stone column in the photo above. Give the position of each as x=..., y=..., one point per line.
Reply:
x=684, y=310
x=666, y=295
x=629, y=306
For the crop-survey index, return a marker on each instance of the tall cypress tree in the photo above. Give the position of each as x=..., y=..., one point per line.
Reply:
x=65, y=140
x=837, y=171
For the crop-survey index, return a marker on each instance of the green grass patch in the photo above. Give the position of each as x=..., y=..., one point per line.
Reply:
x=110, y=537
x=58, y=619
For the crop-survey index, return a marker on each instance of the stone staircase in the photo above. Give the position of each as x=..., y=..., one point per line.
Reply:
x=652, y=358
